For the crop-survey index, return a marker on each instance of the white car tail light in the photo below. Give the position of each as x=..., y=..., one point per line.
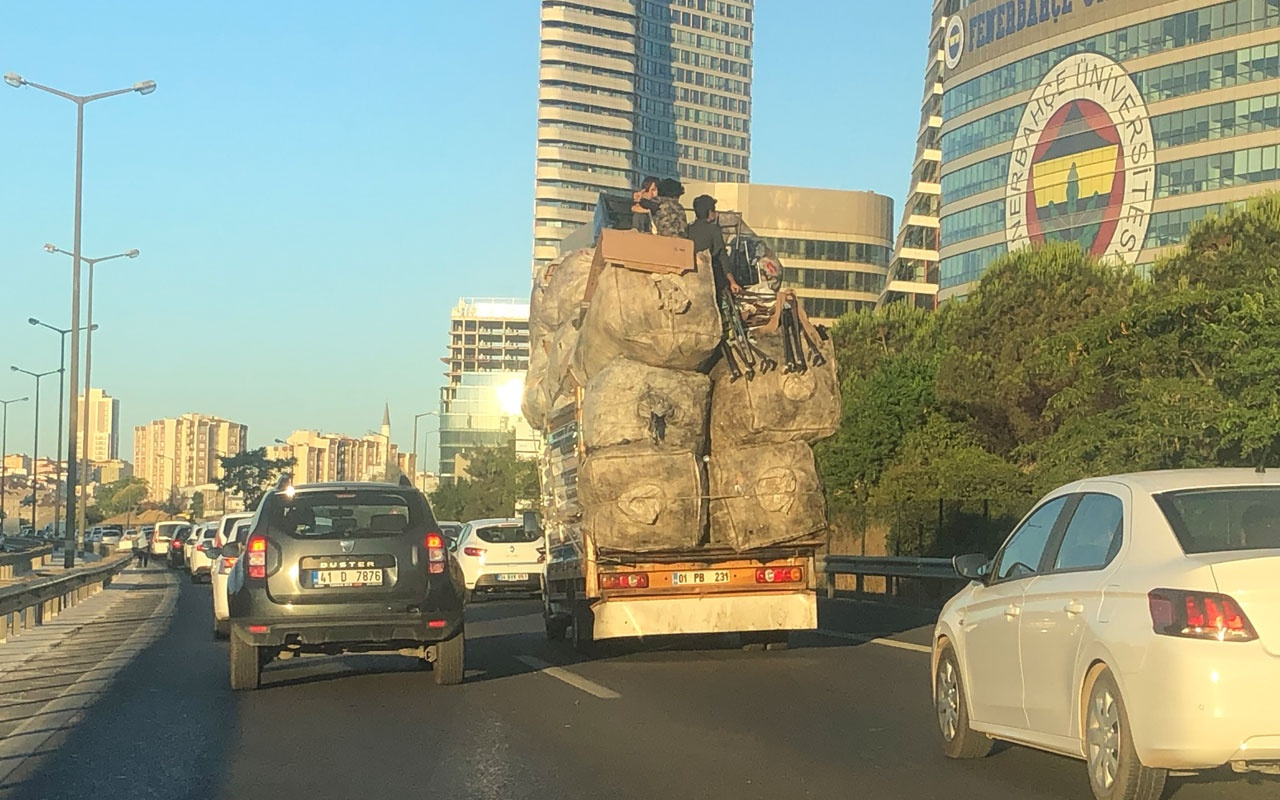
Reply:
x=1199, y=615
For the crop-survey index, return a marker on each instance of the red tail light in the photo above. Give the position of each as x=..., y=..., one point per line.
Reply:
x=436, y=554
x=257, y=554
x=624, y=580
x=779, y=575
x=1199, y=615
x=176, y=544
x=474, y=552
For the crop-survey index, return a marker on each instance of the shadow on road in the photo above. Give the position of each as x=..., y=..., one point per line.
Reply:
x=163, y=728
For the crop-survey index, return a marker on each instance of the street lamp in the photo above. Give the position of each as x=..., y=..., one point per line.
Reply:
x=35, y=446
x=144, y=88
x=417, y=462
x=88, y=373
x=4, y=451
x=173, y=480
x=62, y=363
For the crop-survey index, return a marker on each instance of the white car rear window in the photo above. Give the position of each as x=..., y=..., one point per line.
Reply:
x=506, y=534
x=1223, y=520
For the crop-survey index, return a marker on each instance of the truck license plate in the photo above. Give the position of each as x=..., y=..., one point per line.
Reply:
x=699, y=577
x=327, y=578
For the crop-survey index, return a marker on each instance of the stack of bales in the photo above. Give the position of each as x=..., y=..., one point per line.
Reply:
x=673, y=447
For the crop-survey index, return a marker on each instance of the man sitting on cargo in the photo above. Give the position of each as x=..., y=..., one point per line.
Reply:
x=645, y=202
x=706, y=235
x=669, y=218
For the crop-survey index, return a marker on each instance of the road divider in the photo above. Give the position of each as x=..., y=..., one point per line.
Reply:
x=32, y=603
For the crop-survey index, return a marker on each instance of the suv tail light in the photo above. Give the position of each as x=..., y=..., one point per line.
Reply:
x=436, y=554
x=474, y=552
x=256, y=552
x=1199, y=615
x=779, y=575
x=624, y=580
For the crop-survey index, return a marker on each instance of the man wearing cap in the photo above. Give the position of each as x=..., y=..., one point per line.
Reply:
x=706, y=235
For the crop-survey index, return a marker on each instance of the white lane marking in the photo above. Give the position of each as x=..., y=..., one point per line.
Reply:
x=880, y=640
x=576, y=681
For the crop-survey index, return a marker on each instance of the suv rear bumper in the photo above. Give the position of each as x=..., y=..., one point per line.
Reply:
x=339, y=631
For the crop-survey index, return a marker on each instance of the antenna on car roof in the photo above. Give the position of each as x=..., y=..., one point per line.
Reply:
x=405, y=482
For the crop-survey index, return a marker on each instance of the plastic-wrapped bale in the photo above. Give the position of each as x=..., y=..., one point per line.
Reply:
x=537, y=402
x=764, y=495
x=540, y=326
x=638, y=498
x=776, y=406
x=563, y=375
x=562, y=292
x=658, y=318
x=629, y=403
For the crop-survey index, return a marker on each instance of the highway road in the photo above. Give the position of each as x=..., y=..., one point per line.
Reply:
x=832, y=717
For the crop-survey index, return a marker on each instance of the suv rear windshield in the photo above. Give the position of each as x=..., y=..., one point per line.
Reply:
x=506, y=534
x=1222, y=520
x=353, y=514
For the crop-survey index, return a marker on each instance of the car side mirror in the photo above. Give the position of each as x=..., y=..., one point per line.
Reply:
x=213, y=552
x=973, y=566
x=230, y=550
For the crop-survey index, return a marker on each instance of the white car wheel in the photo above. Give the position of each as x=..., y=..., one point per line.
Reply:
x=1115, y=773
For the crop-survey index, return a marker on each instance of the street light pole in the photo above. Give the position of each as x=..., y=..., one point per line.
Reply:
x=35, y=445
x=62, y=381
x=87, y=436
x=416, y=461
x=144, y=88
x=4, y=452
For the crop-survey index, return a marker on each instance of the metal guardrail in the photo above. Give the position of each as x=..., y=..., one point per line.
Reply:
x=891, y=568
x=26, y=605
x=23, y=561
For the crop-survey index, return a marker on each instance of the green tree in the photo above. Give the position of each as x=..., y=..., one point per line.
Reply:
x=989, y=374
x=122, y=496
x=197, y=505
x=496, y=481
x=250, y=473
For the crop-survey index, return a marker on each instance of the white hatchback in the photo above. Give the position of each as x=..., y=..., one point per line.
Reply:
x=1132, y=621
x=231, y=528
x=199, y=564
x=499, y=555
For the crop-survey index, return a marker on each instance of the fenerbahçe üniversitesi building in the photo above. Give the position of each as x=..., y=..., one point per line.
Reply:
x=1111, y=123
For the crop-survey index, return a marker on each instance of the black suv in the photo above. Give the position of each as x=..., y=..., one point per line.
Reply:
x=344, y=568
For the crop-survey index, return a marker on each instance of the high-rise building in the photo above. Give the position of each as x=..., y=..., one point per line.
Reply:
x=488, y=356
x=834, y=244
x=1113, y=125
x=629, y=88
x=324, y=457
x=104, y=436
x=913, y=274
x=173, y=453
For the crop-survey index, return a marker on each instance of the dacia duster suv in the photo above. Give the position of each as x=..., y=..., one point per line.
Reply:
x=344, y=568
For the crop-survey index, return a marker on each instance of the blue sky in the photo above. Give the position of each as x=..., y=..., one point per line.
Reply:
x=315, y=184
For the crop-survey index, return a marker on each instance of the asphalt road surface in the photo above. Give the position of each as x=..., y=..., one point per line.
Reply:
x=833, y=717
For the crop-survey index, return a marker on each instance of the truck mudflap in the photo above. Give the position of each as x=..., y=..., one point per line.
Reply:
x=626, y=617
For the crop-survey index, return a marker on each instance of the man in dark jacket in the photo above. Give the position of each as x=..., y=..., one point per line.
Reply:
x=644, y=203
x=706, y=235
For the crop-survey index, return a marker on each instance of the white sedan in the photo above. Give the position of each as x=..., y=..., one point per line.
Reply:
x=1131, y=621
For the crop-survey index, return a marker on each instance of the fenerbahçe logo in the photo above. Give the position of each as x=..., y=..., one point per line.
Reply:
x=1083, y=162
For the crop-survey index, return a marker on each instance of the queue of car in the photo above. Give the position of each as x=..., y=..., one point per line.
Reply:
x=1129, y=621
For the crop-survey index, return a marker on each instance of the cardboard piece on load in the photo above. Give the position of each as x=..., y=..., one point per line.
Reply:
x=642, y=252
